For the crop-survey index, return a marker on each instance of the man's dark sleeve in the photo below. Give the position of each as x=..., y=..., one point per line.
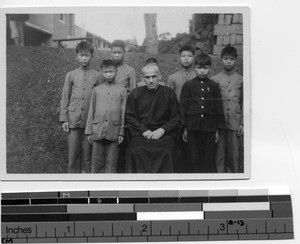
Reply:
x=219, y=111
x=132, y=117
x=183, y=104
x=174, y=119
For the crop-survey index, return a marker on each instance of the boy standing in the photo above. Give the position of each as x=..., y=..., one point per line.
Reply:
x=187, y=72
x=125, y=73
x=202, y=116
x=74, y=106
x=126, y=77
x=176, y=82
x=231, y=84
x=105, y=123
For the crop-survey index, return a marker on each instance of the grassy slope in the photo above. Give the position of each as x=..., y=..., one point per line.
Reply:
x=35, y=76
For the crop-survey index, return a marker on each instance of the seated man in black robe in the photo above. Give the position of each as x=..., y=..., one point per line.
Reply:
x=152, y=117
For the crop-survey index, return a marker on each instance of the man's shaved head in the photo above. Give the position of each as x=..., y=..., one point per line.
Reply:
x=151, y=67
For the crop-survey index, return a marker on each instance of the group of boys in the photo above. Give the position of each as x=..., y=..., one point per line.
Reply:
x=97, y=107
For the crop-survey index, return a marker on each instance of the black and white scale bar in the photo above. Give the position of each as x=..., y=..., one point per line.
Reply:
x=147, y=216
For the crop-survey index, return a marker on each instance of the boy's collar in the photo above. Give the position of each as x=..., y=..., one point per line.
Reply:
x=229, y=72
x=190, y=68
x=120, y=64
x=202, y=79
x=111, y=83
x=85, y=68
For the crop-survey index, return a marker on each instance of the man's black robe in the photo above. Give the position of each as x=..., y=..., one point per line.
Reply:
x=150, y=110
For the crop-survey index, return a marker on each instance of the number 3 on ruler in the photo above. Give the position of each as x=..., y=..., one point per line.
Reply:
x=222, y=226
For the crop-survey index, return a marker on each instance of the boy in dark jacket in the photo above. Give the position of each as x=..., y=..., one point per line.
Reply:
x=202, y=116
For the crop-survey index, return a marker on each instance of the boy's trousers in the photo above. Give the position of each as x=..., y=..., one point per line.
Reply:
x=227, y=152
x=105, y=156
x=79, y=151
x=201, y=151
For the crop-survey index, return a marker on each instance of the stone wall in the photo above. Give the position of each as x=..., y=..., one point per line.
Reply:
x=228, y=31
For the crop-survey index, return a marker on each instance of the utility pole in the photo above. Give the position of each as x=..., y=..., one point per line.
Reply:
x=151, y=41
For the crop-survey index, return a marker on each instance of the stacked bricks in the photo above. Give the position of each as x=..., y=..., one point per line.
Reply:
x=229, y=31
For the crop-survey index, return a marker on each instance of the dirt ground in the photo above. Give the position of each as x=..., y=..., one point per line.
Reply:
x=35, y=77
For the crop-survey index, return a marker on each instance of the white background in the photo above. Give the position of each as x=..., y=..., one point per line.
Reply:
x=275, y=116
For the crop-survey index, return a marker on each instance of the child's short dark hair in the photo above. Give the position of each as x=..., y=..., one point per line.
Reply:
x=151, y=60
x=202, y=59
x=118, y=43
x=107, y=63
x=229, y=51
x=187, y=48
x=84, y=46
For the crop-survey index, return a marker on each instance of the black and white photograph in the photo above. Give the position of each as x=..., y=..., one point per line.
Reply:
x=127, y=93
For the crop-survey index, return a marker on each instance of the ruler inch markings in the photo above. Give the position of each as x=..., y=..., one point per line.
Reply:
x=210, y=232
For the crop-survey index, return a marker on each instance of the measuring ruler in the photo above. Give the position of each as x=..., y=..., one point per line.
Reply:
x=146, y=216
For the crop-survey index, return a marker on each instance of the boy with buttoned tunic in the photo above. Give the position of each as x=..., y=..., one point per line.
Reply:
x=176, y=82
x=187, y=71
x=202, y=116
x=231, y=85
x=74, y=106
x=105, y=123
x=125, y=73
x=127, y=78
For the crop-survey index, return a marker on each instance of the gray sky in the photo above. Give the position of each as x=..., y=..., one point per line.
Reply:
x=127, y=22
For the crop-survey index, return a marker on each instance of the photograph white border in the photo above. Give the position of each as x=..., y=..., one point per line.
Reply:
x=138, y=177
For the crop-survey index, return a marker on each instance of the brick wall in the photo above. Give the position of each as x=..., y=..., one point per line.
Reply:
x=228, y=31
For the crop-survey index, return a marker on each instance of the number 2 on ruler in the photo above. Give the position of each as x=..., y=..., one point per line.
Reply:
x=144, y=228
